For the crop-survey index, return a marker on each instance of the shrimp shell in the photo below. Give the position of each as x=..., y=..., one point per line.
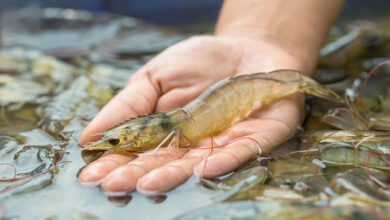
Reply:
x=224, y=103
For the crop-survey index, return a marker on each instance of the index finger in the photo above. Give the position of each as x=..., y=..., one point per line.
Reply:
x=139, y=97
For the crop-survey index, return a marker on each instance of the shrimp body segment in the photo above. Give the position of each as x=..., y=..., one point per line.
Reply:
x=229, y=100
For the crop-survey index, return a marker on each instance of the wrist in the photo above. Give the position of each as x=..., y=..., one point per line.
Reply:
x=305, y=57
x=300, y=29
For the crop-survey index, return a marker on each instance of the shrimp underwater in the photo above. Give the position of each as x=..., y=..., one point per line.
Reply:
x=227, y=101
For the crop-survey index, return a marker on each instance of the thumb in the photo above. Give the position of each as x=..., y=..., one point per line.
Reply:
x=137, y=98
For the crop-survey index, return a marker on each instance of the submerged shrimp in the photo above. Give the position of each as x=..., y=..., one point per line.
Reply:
x=229, y=100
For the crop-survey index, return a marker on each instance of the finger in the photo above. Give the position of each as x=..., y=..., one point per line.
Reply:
x=177, y=97
x=94, y=173
x=253, y=137
x=171, y=174
x=137, y=98
x=124, y=178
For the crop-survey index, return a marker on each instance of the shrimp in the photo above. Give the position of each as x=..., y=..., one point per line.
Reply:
x=356, y=44
x=224, y=103
x=240, y=184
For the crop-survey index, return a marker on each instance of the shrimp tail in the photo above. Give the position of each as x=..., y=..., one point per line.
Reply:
x=311, y=87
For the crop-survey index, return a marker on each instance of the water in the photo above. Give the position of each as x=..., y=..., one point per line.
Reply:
x=53, y=192
x=57, y=110
x=40, y=125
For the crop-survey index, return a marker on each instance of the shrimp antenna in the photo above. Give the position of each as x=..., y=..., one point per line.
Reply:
x=372, y=71
x=98, y=134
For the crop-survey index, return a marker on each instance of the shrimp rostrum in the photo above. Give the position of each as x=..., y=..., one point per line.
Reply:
x=224, y=103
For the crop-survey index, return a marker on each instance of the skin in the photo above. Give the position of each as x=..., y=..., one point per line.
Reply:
x=251, y=36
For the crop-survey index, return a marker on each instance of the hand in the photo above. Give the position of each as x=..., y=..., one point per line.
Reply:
x=174, y=78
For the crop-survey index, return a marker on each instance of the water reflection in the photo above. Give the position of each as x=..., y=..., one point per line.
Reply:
x=157, y=199
x=90, y=156
x=120, y=201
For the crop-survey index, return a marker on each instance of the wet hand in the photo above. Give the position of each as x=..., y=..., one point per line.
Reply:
x=174, y=78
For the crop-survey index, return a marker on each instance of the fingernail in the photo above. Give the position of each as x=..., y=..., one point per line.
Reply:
x=201, y=168
x=119, y=181
x=91, y=176
x=90, y=184
x=144, y=183
x=115, y=194
x=198, y=170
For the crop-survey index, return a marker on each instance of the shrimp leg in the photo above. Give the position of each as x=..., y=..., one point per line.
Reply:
x=174, y=143
x=175, y=140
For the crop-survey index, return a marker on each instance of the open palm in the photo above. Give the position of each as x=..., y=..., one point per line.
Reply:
x=174, y=78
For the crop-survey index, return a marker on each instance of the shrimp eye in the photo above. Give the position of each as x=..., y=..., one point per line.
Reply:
x=113, y=141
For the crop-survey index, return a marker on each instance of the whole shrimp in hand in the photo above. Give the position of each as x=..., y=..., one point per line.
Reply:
x=173, y=79
x=182, y=72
